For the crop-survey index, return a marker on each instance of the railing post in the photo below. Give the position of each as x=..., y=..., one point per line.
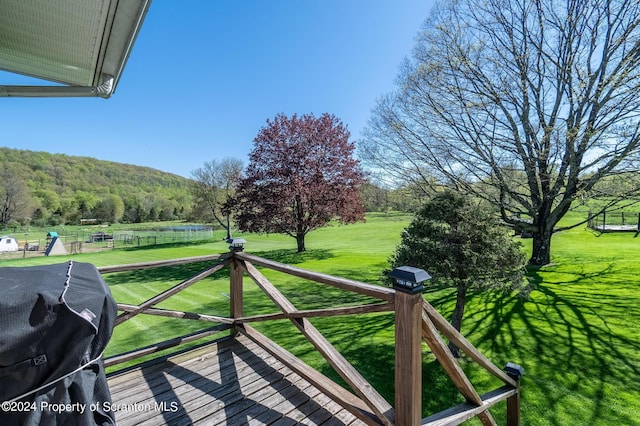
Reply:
x=235, y=282
x=408, y=283
x=513, y=402
x=408, y=380
x=235, y=291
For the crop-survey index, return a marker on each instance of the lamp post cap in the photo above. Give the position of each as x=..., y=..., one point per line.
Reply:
x=236, y=241
x=236, y=244
x=514, y=370
x=409, y=273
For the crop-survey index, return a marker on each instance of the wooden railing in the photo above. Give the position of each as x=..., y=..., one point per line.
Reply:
x=415, y=321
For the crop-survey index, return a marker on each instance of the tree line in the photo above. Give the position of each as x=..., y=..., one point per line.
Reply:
x=44, y=189
x=39, y=188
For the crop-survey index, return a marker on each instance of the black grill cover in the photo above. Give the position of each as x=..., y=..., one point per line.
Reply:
x=55, y=322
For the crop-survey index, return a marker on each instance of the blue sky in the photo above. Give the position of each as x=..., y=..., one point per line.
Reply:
x=204, y=76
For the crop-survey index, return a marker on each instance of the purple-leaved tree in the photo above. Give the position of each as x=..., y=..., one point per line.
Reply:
x=301, y=175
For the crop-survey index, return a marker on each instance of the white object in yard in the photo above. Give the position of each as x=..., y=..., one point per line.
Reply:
x=8, y=244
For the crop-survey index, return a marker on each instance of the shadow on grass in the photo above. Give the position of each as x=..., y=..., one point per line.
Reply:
x=178, y=273
x=292, y=257
x=572, y=339
x=175, y=274
x=176, y=244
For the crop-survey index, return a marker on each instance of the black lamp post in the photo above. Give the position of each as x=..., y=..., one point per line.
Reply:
x=236, y=244
x=409, y=279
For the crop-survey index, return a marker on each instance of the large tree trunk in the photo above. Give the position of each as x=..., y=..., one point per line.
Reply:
x=299, y=219
x=300, y=241
x=456, y=317
x=541, y=253
x=228, y=227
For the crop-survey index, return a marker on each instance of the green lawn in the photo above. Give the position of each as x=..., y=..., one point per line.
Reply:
x=577, y=336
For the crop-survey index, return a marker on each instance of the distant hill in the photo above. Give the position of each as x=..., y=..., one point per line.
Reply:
x=51, y=189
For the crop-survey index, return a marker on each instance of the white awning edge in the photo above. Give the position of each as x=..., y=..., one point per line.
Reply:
x=105, y=90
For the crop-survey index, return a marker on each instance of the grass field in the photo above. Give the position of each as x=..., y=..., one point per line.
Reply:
x=577, y=336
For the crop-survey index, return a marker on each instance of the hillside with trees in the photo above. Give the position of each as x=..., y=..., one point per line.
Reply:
x=40, y=188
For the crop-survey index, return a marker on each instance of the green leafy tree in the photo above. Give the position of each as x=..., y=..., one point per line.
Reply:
x=374, y=197
x=460, y=242
x=85, y=202
x=109, y=209
x=48, y=198
x=153, y=215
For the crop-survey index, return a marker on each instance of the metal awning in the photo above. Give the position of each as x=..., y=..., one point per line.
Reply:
x=81, y=46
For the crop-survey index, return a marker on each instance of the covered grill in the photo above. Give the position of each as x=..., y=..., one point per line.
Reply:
x=55, y=322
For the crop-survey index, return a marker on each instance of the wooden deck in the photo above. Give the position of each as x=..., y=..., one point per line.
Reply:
x=231, y=382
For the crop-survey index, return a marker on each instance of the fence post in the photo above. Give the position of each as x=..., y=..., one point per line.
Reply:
x=408, y=364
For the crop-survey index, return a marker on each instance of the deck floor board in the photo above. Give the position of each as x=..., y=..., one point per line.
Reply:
x=233, y=382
